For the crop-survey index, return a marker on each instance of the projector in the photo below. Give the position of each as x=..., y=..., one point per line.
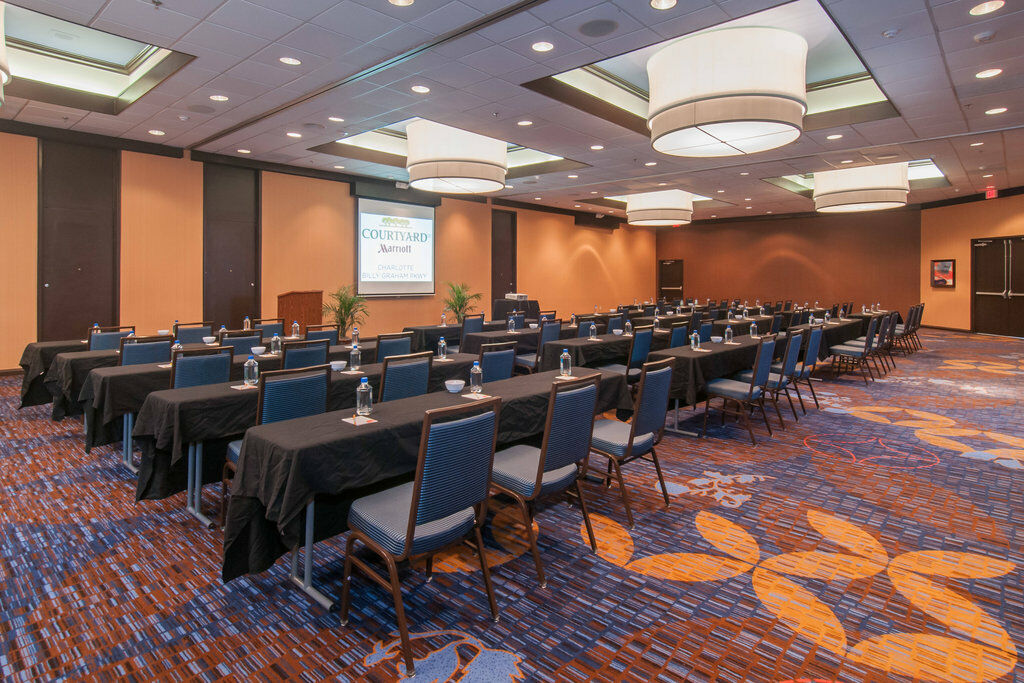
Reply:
x=516, y=296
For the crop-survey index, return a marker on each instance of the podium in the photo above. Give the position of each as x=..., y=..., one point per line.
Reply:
x=305, y=307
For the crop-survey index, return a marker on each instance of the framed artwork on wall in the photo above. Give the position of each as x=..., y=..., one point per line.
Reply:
x=943, y=272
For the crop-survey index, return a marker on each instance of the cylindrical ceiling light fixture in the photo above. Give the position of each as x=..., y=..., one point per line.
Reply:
x=728, y=92
x=866, y=188
x=5, y=67
x=449, y=160
x=653, y=209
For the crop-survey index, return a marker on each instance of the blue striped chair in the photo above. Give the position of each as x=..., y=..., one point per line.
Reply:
x=471, y=324
x=394, y=344
x=328, y=332
x=547, y=316
x=140, y=350
x=107, y=338
x=550, y=331
x=192, y=333
x=241, y=341
x=680, y=335
x=198, y=367
x=303, y=354
x=639, y=348
x=443, y=506
x=623, y=442
x=583, y=328
x=649, y=311
x=497, y=361
x=270, y=326
x=526, y=472
x=806, y=368
x=405, y=376
x=706, y=329
x=743, y=395
x=616, y=322
x=853, y=355
x=780, y=379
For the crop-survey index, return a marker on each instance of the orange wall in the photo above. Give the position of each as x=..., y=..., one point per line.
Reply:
x=842, y=257
x=19, y=160
x=308, y=232
x=570, y=268
x=161, y=241
x=946, y=233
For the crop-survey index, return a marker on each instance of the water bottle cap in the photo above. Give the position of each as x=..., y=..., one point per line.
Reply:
x=251, y=357
x=476, y=363
x=364, y=380
x=565, y=350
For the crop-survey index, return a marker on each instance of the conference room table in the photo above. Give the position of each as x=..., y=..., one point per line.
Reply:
x=35, y=361
x=425, y=337
x=741, y=326
x=286, y=465
x=787, y=316
x=502, y=308
x=664, y=321
x=215, y=414
x=692, y=370
x=833, y=333
x=589, y=353
x=526, y=339
x=866, y=317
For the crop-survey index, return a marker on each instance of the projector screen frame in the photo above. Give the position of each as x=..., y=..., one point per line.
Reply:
x=433, y=250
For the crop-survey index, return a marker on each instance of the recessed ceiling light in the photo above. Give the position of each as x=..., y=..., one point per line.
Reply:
x=662, y=184
x=219, y=98
x=244, y=151
x=575, y=206
x=987, y=175
x=157, y=132
x=834, y=136
x=720, y=191
x=421, y=89
x=714, y=215
x=651, y=163
x=986, y=7
x=767, y=211
x=290, y=61
x=593, y=192
x=338, y=166
x=536, y=199
x=524, y=122
x=572, y=175
x=977, y=144
x=663, y=4
x=997, y=110
x=988, y=73
x=744, y=173
x=846, y=161
x=508, y=187
x=336, y=119
x=542, y=46
x=597, y=148
x=401, y=3
x=746, y=199
x=750, y=207
x=294, y=135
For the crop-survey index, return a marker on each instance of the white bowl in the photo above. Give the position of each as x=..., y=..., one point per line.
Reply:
x=716, y=339
x=454, y=385
x=163, y=333
x=209, y=340
x=533, y=326
x=616, y=331
x=258, y=350
x=338, y=365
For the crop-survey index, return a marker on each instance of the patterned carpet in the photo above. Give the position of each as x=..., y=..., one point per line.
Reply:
x=879, y=539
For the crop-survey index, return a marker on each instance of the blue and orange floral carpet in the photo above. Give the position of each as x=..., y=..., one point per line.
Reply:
x=879, y=539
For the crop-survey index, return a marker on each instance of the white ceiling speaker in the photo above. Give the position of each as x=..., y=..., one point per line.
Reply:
x=445, y=159
x=654, y=209
x=5, y=68
x=728, y=92
x=865, y=188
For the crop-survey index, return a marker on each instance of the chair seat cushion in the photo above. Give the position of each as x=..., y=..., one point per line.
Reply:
x=384, y=517
x=234, y=451
x=844, y=350
x=730, y=388
x=612, y=437
x=775, y=379
x=527, y=359
x=515, y=468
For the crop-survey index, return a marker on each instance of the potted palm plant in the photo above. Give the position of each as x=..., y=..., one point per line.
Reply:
x=346, y=308
x=459, y=300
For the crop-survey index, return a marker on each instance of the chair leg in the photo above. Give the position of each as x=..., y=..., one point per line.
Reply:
x=775, y=402
x=225, y=483
x=810, y=385
x=586, y=516
x=623, y=491
x=764, y=414
x=750, y=429
x=346, y=579
x=528, y=521
x=707, y=407
x=661, y=477
x=403, y=627
x=486, y=571
x=862, y=364
x=429, y=568
x=791, y=406
x=796, y=388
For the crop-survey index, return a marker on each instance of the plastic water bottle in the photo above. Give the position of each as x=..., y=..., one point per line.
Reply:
x=757, y=302
x=565, y=364
x=760, y=311
x=572, y=320
x=828, y=316
x=295, y=328
x=220, y=333
x=355, y=336
x=878, y=306
x=627, y=329
x=694, y=341
x=246, y=324
x=354, y=356
x=275, y=345
x=595, y=309
x=656, y=320
x=511, y=324
x=131, y=333
x=728, y=333
x=753, y=330
x=364, y=397
x=745, y=303
x=816, y=303
x=444, y=319
x=476, y=378
x=593, y=330
x=442, y=348
x=176, y=347
x=95, y=324
x=251, y=372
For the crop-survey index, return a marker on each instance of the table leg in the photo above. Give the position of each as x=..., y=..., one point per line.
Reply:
x=306, y=581
x=194, y=485
x=126, y=442
x=675, y=425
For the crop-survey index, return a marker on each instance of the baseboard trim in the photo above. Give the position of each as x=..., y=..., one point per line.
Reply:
x=947, y=329
x=11, y=371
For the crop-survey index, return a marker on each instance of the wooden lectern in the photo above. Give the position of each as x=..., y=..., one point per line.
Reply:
x=305, y=307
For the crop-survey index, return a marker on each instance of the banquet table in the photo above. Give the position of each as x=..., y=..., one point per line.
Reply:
x=526, y=339
x=585, y=352
x=833, y=334
x=664, y=322
x=111, y=392
x=787, y=316
x=741, y=326
x=692, y=370
x=425, y=337
x=285, y=465
x=35, y=361
x=215, y=414
x=865, y=318
x=502, y=308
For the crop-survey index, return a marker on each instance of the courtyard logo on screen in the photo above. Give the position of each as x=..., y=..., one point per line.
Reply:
x=395, y=248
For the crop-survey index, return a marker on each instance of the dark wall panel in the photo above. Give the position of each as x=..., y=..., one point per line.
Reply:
x=231, y=241
x=79, y=230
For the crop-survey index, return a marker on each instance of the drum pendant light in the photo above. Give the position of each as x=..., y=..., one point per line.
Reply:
x=445, y=159
x=667, y=207
x=865, y=188
x=728, y=92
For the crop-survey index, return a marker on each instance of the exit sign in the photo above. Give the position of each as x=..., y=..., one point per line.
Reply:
x=991, y=193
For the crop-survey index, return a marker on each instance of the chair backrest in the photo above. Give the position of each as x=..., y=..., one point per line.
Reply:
x=405, y=376
x=453, y=471
x=640, y=346
x=706, y=329
x=270, y=329
x=813, y=347
x=192, y=333
x=679, y=336
x=518, y=320
x=547, y=315
x=869, y=338
x=139, y=350
x=569, y=424
x=394, y=344
x=473, y=323
x=762, y=363
x=615, y=322
x=549, y=331
x=776, y=323
x=649, y=310
x=318, y=332
x=107, y=338
x=584, y=328
x=695, y=320
x=716, y=314
x=497, y=361
x=303, y=354
x=263, y=323
x=290, y=394
x=651, y=400
x=793, y=344
x=242, y=343
x=201, y=366
x=789, y=305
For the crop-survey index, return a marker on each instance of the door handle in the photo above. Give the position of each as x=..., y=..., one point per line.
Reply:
x=1002, y=293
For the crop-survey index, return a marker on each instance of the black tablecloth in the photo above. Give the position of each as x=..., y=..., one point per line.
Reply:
x=171, y=419
x=109, y=393
x=664, y=322
x=425, y=337
x=526, y=339
x=694, y=369
x=285, y=464
x=35, y=361
x=865, y=318
x=741, y=326
x=607, y=349
x=787, y=316
x=832, y=334
x=501, y=308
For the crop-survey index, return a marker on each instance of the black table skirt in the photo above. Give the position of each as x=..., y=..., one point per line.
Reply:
x=865, y=318
x=215, y=414
x=501, y=308
x=425, y=337
x=526, y=339
x=607, y=349
x=692, y=370
x=35, y=361
x=742, y=327
x=286, y=464
x=832, y=335
x=664, y=321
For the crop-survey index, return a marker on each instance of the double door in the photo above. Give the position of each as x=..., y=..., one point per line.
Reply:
x=998, y=285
